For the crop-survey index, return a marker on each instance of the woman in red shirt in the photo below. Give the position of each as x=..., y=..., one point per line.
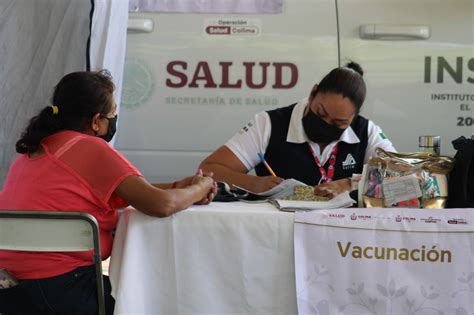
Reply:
x=65, y=165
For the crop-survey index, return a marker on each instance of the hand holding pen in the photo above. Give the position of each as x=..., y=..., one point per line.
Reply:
x=264, y=183
x=264, y=162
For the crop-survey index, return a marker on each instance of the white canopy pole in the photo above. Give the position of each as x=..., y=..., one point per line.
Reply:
x=109, y=40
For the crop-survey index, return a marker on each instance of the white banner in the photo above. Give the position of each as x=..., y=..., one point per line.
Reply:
x=385, y=261
x=208, y=6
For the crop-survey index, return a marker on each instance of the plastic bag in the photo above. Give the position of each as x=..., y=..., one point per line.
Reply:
x=408, y=180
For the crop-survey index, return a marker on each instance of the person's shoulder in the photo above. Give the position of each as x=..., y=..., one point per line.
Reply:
x=83, y=141
x=67, y=139
x=360, y=118
x=98, y=148
x=91, y=140
x=283, y=109
x=281, y=113
x=360, y=123
x=372, y=127
x=376, y=134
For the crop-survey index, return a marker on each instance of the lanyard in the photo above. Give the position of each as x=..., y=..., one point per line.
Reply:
x=326, y=177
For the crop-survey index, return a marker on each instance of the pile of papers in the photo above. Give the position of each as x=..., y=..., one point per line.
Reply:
x=340, y=201
x=286, y=188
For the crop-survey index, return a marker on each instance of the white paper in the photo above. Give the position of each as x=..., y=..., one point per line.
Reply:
x=285, y=188
x=400, y=189
x=342, y=200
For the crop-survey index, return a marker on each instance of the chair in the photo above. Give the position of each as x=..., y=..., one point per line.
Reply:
x=56, y=232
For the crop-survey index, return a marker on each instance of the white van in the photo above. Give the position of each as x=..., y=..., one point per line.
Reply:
x=193, y=79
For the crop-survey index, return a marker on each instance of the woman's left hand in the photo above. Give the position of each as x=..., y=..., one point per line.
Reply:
x=190, y=180
x=334, y=188
x=212, y=192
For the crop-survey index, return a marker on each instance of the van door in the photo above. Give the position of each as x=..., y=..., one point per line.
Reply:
x=192, y=80
x=419, y=61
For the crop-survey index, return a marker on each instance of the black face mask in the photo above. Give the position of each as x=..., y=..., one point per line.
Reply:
x=110, y=129
x=320, y=131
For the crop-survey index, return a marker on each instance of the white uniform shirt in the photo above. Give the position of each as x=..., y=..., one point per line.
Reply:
x=255, y=136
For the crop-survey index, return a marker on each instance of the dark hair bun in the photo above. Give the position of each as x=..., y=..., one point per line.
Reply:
x=356, y=67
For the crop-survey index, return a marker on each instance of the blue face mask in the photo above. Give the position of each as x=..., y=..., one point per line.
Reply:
x=319, y=131
x=111, y=129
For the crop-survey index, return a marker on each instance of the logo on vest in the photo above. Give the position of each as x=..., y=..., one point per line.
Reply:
x=349, y=162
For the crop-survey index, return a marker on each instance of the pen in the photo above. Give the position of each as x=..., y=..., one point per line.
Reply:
x=262, y=159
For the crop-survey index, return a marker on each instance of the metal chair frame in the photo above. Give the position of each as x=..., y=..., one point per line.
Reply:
x=58, y=231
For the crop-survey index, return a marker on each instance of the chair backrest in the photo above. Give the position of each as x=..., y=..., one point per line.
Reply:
x=53, y=231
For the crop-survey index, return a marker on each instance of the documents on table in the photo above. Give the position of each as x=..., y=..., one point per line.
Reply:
x=285, y=188
x=342, y=200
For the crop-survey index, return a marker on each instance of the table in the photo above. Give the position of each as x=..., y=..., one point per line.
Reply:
x=223, y=258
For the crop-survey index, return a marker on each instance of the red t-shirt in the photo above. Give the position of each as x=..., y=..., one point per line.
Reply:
x=78, y=172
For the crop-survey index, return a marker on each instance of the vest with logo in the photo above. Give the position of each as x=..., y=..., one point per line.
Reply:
x=294, y=160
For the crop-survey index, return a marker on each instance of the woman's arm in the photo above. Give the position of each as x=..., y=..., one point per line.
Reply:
x=182, y=183
x=228, y=168
x=333, y=188
x=187, y=181
x=158, y=202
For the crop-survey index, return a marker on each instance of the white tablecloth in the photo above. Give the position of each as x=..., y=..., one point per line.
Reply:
x=224, y=258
